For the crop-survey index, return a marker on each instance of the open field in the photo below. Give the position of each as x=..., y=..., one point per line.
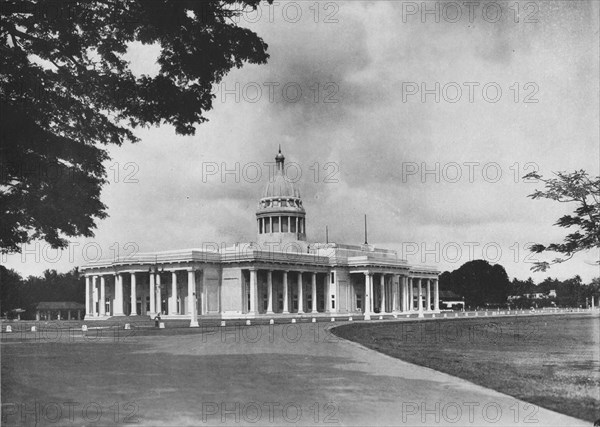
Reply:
x=551, y=361
x=282, y=374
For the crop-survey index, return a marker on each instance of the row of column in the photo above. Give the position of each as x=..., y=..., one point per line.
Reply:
x=284, y=224
x=402, y=294
x=286, y=292
x=154, y=291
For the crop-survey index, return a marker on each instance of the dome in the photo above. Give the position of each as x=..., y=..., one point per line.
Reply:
x=281, y=186
x=280, y=215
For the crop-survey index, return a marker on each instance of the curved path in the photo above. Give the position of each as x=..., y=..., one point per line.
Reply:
x=301, y=374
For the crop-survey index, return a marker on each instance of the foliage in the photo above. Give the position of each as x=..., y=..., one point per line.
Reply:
x=17, y=292
x=569, y=293
x=479, y=282
x=576, y=187
x=66, y=90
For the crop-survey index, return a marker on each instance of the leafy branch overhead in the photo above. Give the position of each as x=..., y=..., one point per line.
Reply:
x=67, y=90
x=575, y=187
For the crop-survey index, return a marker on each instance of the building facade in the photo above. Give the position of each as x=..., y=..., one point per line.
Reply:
x=281, y=274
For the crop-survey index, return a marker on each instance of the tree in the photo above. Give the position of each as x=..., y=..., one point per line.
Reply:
x=17, y=292
x=576, y=187
x=479, y=282
x=66, y=91
x=10, y=290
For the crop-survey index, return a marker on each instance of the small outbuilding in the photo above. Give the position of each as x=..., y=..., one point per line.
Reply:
x=59, y=310
x=451, y=301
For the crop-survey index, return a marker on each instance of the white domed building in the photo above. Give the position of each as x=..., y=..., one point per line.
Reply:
x=279, y=275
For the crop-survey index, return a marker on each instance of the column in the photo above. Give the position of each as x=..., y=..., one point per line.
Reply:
x=102, y=302
x=382, y=288
x=118, y=310
x=88, y=300
x=411, y=292
x=404, y=293
x=327, y=291
x=314, y=293
x=420, y=297
x=285, y=292
x=133, y=296
x=300, y=296
x=395, y=293
x=152, y=294
x=367, y=303
x=192, y=299
x=158, y=295
x=94, y=296
x=173, y=299
x=253, y=291
x=270, y=292
x=436, y=295
x=428, y=307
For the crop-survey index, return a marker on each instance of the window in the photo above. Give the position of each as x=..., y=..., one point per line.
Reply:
x=275, y=220
x=260, y=226
x=284, y=224
x=293, y=225
x=333, y=277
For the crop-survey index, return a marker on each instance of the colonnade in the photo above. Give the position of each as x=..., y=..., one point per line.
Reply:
x=403, y=289
x=298, y=292
x=281, y=224
x=292, y=287
x=96, y=292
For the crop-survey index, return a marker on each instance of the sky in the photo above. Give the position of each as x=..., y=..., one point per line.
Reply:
x=424, y=116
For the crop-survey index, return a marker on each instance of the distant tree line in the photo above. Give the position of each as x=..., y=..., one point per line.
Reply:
x=17, y=292
x=569, y=293
x=487, y=285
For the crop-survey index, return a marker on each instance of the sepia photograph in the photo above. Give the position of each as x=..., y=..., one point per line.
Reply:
x=300, y=213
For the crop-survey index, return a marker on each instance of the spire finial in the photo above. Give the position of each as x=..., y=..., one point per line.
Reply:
x=279, y=159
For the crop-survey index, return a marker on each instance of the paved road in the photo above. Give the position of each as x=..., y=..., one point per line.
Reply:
x=300, y=374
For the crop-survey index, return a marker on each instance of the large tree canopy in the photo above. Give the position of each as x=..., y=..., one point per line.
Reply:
x=479, y=282
x=67, y=90
x=578, y=188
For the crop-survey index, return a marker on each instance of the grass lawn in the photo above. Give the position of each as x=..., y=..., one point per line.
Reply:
x=551, y=361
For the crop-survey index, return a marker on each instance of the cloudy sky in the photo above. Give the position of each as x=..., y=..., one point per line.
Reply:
x=426, y=127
